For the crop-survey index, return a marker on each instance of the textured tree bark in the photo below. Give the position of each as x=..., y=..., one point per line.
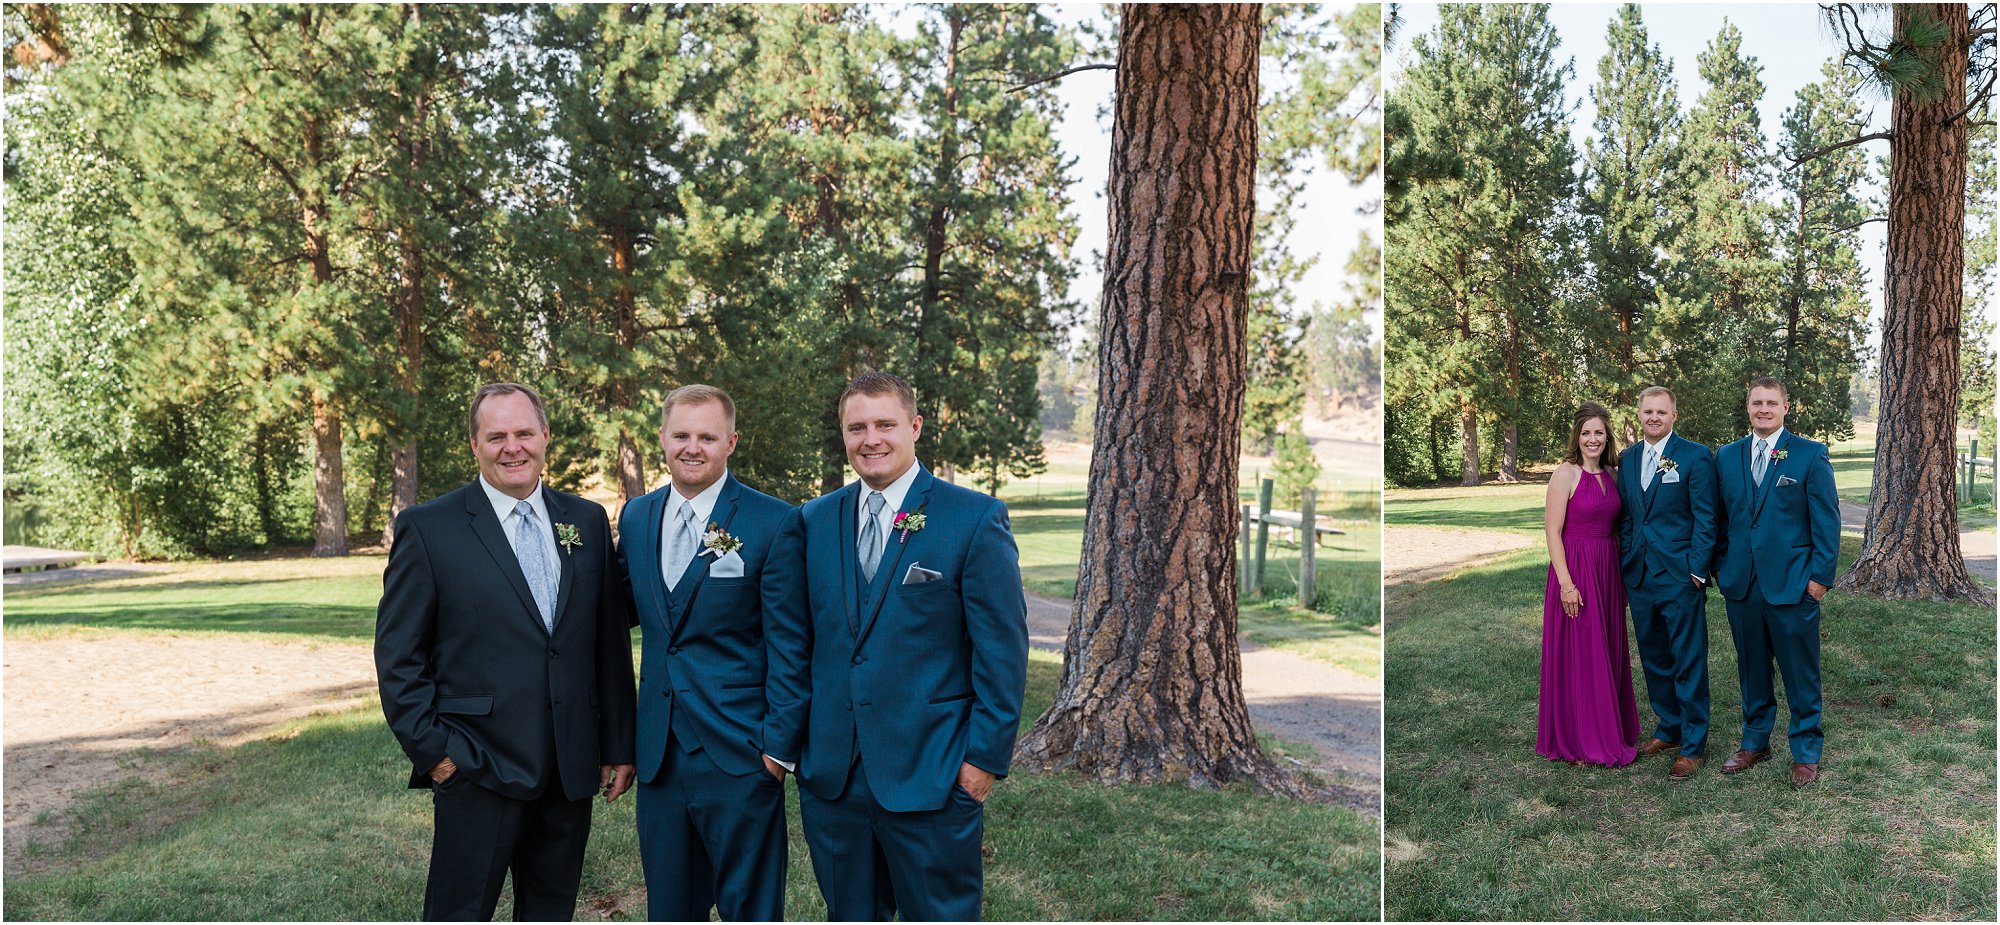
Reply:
x=1152, y=686
x=628, y=466
x=409, y=321
x=1468, y=442
x=1910, y=549
x=329, y=481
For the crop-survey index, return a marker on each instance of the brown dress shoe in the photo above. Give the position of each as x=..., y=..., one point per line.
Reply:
x=1803, y=774
x=1655, y=746
x=1744, y=760
x=1683, y=768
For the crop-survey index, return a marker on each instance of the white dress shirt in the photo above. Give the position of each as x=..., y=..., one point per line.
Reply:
x=893, y=496
x=704, y=505
x=503, y=508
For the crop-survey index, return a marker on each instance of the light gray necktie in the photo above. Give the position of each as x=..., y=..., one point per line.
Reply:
x=1761, y=456
x=870, y=549
x=681, y=552
x=1652, y=467
x=535, y=564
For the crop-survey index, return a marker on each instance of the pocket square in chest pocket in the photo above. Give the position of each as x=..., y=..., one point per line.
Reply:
x=1785, y=480
x=1670, y=476
x=729, y=566
x=918, y=575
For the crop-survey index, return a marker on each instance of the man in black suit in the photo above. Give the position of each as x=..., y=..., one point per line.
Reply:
x=505, y=662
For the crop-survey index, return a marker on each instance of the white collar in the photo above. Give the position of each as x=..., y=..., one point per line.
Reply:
x=894, y=494
x=1775, y=436
x=1660, y=446
x=704, y=502
x=503, y=503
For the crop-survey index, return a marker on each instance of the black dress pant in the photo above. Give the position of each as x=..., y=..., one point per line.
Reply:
x=480, y=835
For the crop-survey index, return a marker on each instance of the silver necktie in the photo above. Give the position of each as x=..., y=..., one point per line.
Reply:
x=1652, y=467
x=1757, y=460
x=535, y=564
x=870, y=549
x=682, y=550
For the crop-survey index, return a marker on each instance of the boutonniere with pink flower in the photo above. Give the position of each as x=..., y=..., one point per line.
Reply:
x=1779, y=455
x=718, y=542
x=909, y=522
x=567, y=535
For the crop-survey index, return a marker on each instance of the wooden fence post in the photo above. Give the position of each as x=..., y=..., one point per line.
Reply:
x=1308, y=539
x=1263, y=537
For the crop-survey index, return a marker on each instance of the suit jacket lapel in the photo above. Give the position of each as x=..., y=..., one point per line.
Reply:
x=642, y=556
x=1770, y=475
x=1650, y=491
x=892, y=556
x=850, y=570
x=557, y=515
x=697, y=570
x=486, y=526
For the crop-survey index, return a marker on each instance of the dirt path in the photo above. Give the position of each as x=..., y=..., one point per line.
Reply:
x=78, y=708
x=1337, y=712
x=1413, y=554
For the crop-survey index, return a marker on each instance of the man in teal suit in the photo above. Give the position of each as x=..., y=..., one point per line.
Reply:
x=898, y=664
x=1780, y=543
x=695, y=553
x=1666, y=539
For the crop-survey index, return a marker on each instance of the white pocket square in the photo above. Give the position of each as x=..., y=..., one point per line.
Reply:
x=918, y=575
x=1671, y=475
x=1784, y=480
x=729, y=566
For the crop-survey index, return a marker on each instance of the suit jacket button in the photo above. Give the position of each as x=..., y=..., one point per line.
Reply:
x=673, y=650
x=858, y=660
x=554, y=652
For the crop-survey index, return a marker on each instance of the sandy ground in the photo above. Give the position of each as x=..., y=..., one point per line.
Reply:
x=1411, y=554
x=79, y=707
x=1337, y=712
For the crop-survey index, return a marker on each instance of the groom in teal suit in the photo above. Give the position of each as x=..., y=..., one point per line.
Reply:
x=695, y=554
x=898, y=664
x=1780, y=542
x=1666, y=539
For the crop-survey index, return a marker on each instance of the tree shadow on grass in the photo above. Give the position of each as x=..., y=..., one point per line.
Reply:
x=1900, y=826
x=269, y=618
x=314, y=823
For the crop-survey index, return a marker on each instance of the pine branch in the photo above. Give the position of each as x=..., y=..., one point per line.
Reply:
x=1871, y=136
x=1852, y=226
x=1061, y=74
x=1978, y=99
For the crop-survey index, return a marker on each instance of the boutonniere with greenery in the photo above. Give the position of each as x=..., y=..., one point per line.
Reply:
x=1667, y=464
x=567, y=535
x=909, y=522
x=718, y=542
x=1779, y=455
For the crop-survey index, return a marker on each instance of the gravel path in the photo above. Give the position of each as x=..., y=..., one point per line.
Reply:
x=81, y=707
x=1337, y=712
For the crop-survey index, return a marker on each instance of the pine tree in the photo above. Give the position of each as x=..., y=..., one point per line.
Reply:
x=1816, y=339
x=1630, y=167
x=1480, y=234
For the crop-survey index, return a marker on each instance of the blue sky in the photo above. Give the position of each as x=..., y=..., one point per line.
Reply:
x=1788, y=41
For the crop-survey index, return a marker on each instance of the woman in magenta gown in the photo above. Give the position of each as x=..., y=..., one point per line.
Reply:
x=1587, y=713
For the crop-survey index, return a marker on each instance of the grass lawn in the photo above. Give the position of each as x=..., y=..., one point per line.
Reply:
x=313, y=823
x=1901, y=825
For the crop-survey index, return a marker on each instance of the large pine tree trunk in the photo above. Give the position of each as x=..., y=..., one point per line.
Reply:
x=1468, y=442
x=1152, y=686
x=628, y=464
x=329, y=480
x=1910, y=548
x=409, y=327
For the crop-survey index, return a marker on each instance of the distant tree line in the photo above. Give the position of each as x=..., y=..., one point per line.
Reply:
x=259, y=255
x=1680, y=247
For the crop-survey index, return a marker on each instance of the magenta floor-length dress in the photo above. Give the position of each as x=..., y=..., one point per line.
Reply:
x=1587, y=711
